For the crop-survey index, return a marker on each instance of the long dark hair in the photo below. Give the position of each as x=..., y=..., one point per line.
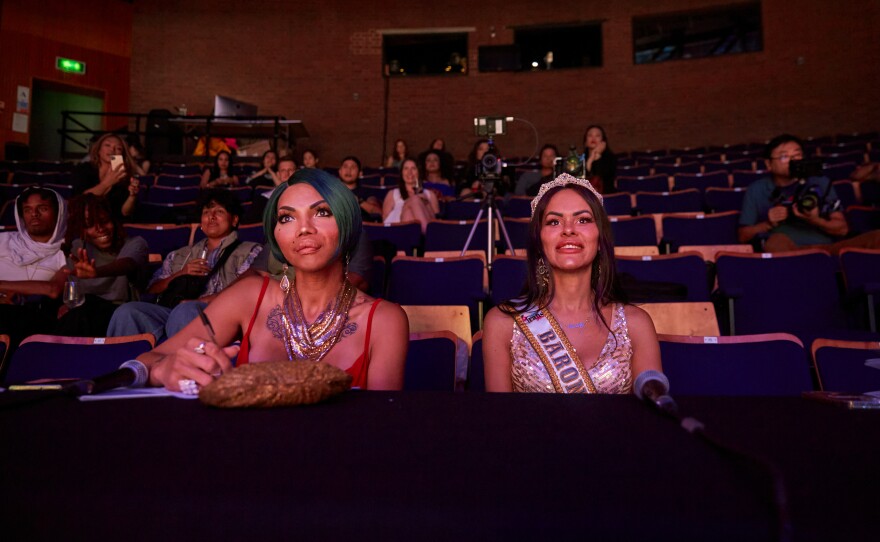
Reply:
x=215, y=169
x=401, y=184
x=604, y=282
x=607, y=150
x=399, y=157
x=447, y=169
x=85, y=211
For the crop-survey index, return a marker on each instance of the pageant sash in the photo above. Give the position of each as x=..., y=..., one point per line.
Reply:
x=555, y=351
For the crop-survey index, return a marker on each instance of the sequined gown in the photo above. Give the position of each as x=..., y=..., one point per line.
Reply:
x=611, y=373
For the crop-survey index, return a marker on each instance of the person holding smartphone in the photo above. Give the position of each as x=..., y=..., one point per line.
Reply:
x=109, y=173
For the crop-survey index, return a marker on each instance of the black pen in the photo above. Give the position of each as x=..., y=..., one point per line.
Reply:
x=210, y=330
x=207, y=324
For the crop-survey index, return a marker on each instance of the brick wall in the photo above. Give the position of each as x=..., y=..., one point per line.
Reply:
x=320, y=61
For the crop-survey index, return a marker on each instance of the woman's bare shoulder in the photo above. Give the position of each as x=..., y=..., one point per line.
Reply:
x=245, y=290
x=637, y=319
x=388, y=310
x=496, y=316
x=498, y=323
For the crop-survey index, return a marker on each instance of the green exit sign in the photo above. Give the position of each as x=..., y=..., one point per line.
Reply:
x=70, y=66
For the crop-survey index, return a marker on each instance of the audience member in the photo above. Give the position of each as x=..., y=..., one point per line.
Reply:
x=410, y=201
x=600, y=162
x=438, y=144
x=437, y=173
x=286, y=169
x=397, y=155
x=191, y=276
x=267, y=175
x=138, y=156
x=109, y=173
x=572, y=330
x=795, y=213
x=101, y=260
x=350, y=174
x=32, y=263
x=866, y=172
x=310, y=158
x=219, y=174
x=530, y=182
x=312, y=225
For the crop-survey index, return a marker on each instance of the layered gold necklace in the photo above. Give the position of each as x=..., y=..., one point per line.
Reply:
x=311, y=342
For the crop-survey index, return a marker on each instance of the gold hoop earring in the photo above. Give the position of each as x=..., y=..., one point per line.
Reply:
x=285, y=282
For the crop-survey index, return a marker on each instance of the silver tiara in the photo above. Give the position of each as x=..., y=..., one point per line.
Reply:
x=563, y=180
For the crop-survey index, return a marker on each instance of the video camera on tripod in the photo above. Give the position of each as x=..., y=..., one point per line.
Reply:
x=489, y=168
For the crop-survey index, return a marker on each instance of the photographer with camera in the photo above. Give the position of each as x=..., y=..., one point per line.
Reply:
x=795, y=206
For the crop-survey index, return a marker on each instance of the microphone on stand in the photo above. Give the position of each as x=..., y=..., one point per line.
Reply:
x=132, y=373
x=653, y=387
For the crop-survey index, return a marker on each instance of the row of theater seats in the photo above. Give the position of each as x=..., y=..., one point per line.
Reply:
x=701, y=249
x=760, y=365
x=664, y=231
x=797, y=293
x=817, y=146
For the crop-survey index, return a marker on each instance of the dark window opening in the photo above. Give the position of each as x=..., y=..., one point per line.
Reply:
x=425, y=54
x=698, y=34
x=559, y=46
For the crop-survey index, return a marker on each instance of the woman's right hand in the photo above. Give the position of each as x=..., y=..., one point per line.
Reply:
x=188, y=364
x=112, y=176
x=198, y=267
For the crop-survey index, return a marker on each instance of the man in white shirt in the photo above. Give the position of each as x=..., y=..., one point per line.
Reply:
x=32, y=263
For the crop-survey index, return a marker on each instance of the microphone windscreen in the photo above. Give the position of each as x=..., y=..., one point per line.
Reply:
x=647, y=376
x=141, y=373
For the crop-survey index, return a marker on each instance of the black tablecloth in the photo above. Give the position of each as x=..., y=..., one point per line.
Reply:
x=400, y=465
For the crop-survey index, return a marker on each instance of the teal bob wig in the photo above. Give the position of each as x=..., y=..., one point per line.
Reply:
x=342, y=201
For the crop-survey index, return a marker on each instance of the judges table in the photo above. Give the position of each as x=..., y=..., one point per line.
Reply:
x=438, y=466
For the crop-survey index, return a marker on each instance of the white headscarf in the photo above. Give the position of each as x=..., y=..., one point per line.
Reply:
x=22, y=250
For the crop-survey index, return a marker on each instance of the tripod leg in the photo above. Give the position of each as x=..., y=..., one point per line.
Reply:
x=467, y=243
x=504, y=232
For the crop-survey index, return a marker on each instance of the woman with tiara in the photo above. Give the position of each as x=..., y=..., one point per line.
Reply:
x=571, y=331
x=313, y=313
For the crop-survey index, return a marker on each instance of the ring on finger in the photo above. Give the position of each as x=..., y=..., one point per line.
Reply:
x=188, y=386
x=200, y=349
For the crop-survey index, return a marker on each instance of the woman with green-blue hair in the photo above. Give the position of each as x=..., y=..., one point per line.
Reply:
x=312, y=225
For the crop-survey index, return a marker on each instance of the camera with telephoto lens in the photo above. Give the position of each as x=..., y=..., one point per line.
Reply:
x=806, y=197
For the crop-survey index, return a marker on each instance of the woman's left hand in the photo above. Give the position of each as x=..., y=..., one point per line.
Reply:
x=83, y=267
